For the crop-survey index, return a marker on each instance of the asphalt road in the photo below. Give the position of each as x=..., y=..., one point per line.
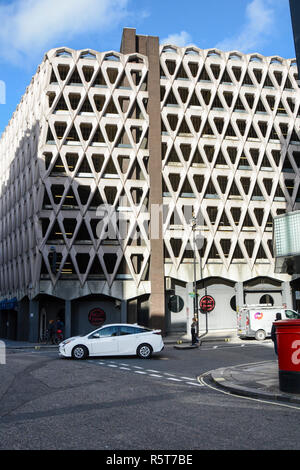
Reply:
x=131, y=404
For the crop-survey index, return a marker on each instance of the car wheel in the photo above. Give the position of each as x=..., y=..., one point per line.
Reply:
x=80, y=352
x=144, y=351
x=260, y=335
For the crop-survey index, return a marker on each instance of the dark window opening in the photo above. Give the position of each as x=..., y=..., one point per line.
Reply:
x=88, y=73
x=75, y=78
x=216, y=69
x=82, y=262
x=84, y=194
x=82, y=234
x=249, y=244
x=63, y=71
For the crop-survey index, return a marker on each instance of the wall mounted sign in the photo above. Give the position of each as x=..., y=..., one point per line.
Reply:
x=97, y=317
x=175, y=304
x=207, y=304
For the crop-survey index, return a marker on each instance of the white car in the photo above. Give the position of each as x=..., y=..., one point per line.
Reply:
x=114, y=340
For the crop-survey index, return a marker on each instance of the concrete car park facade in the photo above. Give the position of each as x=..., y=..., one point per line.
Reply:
x=105, y=161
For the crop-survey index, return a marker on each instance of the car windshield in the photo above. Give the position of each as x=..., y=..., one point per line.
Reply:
x=291, y=314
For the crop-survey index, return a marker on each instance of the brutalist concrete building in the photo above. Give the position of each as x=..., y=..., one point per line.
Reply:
x=105, y=161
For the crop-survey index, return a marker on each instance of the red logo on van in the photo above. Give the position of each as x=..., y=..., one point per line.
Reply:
x=258, y=315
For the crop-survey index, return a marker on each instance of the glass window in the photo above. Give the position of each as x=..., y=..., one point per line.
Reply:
x=108, y=331
x=266, y=299
x=126, y=330
x=142, y=330
x=291, y=314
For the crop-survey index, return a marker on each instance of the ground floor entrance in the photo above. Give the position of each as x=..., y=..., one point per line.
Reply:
x=30, y=319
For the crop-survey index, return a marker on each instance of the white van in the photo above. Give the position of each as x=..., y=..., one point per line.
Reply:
x=255, y=321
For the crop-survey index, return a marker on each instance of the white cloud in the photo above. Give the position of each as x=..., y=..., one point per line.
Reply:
x=31, y=26
x=258, y=27
x=182, y=39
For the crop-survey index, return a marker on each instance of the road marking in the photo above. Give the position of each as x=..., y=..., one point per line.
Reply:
x=194, y=383
x=151, y=373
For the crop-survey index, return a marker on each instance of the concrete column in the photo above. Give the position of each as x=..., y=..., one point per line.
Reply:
x=239, y=290
x=287, y=295
x=132, y=311
x=33, y=336
x=128, y=43
x=149, y=45
x=124, y=311
x=68, y=319
x=22, y=326
x=157, y=297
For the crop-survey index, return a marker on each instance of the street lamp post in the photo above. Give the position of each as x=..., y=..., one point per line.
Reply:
x=194, y=223
x=196, y=307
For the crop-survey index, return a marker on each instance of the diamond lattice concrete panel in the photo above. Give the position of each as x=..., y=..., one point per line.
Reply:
x=231, y=151
x=90, y=148
x=79, y=139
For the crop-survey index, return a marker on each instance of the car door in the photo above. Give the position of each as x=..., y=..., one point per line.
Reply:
x=104, y=342
x=127, y=340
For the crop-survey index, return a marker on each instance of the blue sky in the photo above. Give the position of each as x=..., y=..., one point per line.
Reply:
x=31, y=27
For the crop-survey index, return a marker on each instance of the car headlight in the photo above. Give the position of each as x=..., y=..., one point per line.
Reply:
x=67, y=341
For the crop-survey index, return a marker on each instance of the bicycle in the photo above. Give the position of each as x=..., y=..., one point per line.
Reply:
x=58, y=338
x=44, y=337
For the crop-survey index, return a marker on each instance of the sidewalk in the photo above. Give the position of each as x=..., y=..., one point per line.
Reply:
x=257, y=380
x=183, y=341
x=12, y=344
x=217, y=335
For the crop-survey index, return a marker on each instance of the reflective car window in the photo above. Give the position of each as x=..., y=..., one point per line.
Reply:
x=291, y=314
x=126, y=330
x=142, y=330
x=109, y=331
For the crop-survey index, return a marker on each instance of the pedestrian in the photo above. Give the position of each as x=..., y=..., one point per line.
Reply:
x=59, y=328
x=194, y=331
x=273, y=333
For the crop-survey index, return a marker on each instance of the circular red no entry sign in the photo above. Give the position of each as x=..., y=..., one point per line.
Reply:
x=207, y=303
x=97, y=317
